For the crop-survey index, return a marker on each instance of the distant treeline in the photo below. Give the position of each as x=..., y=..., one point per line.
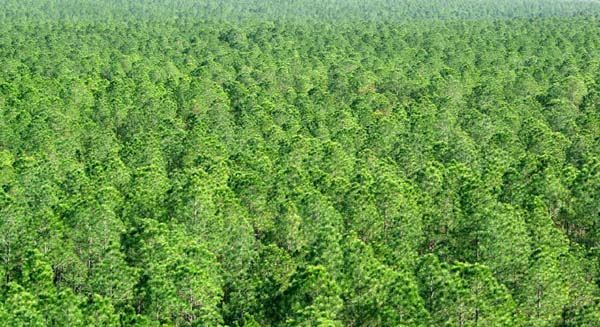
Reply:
x=338, y=10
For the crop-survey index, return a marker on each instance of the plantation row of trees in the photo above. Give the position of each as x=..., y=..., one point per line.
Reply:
x=190, y=171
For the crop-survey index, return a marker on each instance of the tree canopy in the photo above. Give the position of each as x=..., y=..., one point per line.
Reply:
x=299, y=163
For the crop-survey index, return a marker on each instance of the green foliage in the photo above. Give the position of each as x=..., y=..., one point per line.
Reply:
x=299, y=163
x=21, y=308
x=312, y=299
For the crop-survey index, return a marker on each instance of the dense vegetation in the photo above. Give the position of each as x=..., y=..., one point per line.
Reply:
x=299, y=163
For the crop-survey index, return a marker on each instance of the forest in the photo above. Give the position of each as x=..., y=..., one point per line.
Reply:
x=279, y=163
